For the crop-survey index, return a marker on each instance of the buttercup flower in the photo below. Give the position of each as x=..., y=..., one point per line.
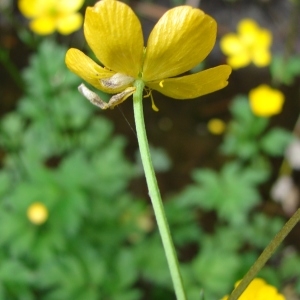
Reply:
x=250, y=44
x=180, y=40
x=51, y=15
x=37, y=213
x=258, y=289
x=216, y=126
x=265, y=101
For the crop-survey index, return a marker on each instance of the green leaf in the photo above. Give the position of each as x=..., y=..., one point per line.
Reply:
x=153, y=267
x=5, y=182
x=262, y=230
x=240, y=109
x=232, y=192
x=211, y=266
x=14, y=271
x=160, y=159
x=126, y=271
x=285, y=69
x=243, y=131
x=11, y=130
x=290, y=267
x=275, y=141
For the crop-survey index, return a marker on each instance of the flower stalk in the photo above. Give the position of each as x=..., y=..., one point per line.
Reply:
x=265, y=255
x=154, y=192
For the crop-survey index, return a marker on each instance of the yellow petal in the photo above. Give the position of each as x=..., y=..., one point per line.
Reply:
x=240, y=60
x=261, y=57
x=180, y=40
x=230, y=44
x=32, y=8
x=88, y=70
x=43, y=25
x=265, y=101
x=69, y=23
x=69, y=6
x=114, y=33
x=195, y=85
x=264, y=39
x=247, y=26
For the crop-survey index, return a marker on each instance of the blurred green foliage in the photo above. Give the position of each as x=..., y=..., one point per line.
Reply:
x=248, y=135
x=99, y=241
x=59, y=153
x=285, y=69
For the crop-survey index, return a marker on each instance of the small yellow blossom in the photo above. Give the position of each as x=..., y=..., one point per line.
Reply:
x=216, y=126
x=37, y=213
x=181, y=39
x=51, y=15
x=265, y=101
x=258, y=289
x=250, y=44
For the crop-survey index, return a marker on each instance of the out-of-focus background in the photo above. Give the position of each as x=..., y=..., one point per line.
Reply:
x=75, y=218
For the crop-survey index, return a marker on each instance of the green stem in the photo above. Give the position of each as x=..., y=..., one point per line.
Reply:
x=266, y=254
x=154, y=192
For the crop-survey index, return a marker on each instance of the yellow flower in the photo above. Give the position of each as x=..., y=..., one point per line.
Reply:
x=258, y=289
x=181, y=39
x=51, y=15
x=216, y=126
x=37, y=213
x=265, y=101
x=250, y=44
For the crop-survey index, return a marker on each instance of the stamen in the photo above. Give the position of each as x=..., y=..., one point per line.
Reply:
x=161, y=84
x=154, y=107
x=149, y=94
x=148, y=91
x=118, y=80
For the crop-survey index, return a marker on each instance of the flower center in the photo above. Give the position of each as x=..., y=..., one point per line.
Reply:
x=52, y=12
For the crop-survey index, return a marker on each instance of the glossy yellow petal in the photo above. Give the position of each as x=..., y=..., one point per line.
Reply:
x=43, y=25
x=88, y=70
x=180, y=40
x=69, y=6
x=69, y=23
x=195, y=85
x=114, y=33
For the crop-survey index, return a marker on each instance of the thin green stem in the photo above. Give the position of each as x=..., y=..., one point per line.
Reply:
x=154, y=192
x=266, y=254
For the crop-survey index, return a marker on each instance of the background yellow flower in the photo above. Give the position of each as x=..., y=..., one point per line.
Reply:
x=250, y=44
x=51, y=15
x=37, y=213
x=265, y=101
x=216, y=126
x=258, y=289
